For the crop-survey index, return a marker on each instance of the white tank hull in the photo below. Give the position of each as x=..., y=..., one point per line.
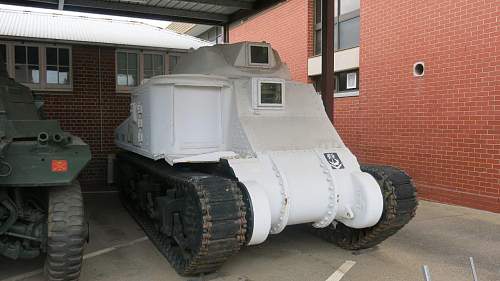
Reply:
x=294, y=187
x=286, y=153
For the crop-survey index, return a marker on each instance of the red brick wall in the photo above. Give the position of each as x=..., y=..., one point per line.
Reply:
x=88, y=114
x=443, y=128
x=286, y=27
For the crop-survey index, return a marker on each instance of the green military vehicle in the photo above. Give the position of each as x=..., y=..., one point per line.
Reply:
x=41, y=206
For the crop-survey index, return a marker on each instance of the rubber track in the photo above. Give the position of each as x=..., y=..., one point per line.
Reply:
x=400, y=204
x=222, y=217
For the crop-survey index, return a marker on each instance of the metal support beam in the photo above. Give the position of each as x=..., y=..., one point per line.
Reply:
x=327, y=52
x=127, y=10
x=225, y=29
x=241, y=9
x=226, y=3
x=143, y=9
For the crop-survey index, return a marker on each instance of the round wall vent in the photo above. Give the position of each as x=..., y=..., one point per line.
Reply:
x=418, y=69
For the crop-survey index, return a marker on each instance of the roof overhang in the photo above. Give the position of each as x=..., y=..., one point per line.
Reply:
x=86, y=43
x=211, y=12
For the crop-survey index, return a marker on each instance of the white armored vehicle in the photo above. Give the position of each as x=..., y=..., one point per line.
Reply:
x=229, y=149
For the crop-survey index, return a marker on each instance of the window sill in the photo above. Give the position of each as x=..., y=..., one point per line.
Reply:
x=124, y=91
x=346, y=94
x=55, y=91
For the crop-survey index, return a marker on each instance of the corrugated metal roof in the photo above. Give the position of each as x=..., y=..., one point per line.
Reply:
x=48, y=26
x=180, y=27
x=211, y=12
x=198, y=29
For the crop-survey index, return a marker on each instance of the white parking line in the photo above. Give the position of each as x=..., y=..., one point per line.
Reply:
x=24, y=275
x=87, y=256
x=337, y=275
x=100, y=192
x=110, y=249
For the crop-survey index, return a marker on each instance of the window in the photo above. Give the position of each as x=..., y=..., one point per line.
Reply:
x=153, y=65
x=27, y=64
x=172, y=62
x=317, y=27
x=57, y=66
x=220, y=37
x=213, y=35
x=348, y=31
x=133, y=66
x=259, y=54
x=347, y=81
x=346, y=26
x=127, y=69
x=40, y=66
x=270, y=93
x=347, y=6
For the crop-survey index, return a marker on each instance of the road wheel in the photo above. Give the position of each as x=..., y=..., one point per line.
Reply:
x=400, y=204
x=66, y=233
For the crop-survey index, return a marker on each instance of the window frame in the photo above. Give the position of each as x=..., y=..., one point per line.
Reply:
x=337, y=93
x=346, y=72
x=147, y=52
x=219, y=39
x=167, y=57
x=140, y=64
x=341, y=19
x=257, y=95
x=317, y=26
x=42, y=47
x=58, y=86
x=338, y=19
x=249, y=55
x=126, y=88
x=214, y=30
x=347, y=92
x=41, y=67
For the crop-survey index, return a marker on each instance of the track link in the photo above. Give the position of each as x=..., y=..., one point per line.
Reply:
x=213, y=221
x=400, y=204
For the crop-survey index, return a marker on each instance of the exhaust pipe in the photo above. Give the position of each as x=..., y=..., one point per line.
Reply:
x=62, y=139
x=43, y=138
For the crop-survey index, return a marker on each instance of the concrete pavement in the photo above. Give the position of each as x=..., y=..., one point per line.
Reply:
x=441, y=236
